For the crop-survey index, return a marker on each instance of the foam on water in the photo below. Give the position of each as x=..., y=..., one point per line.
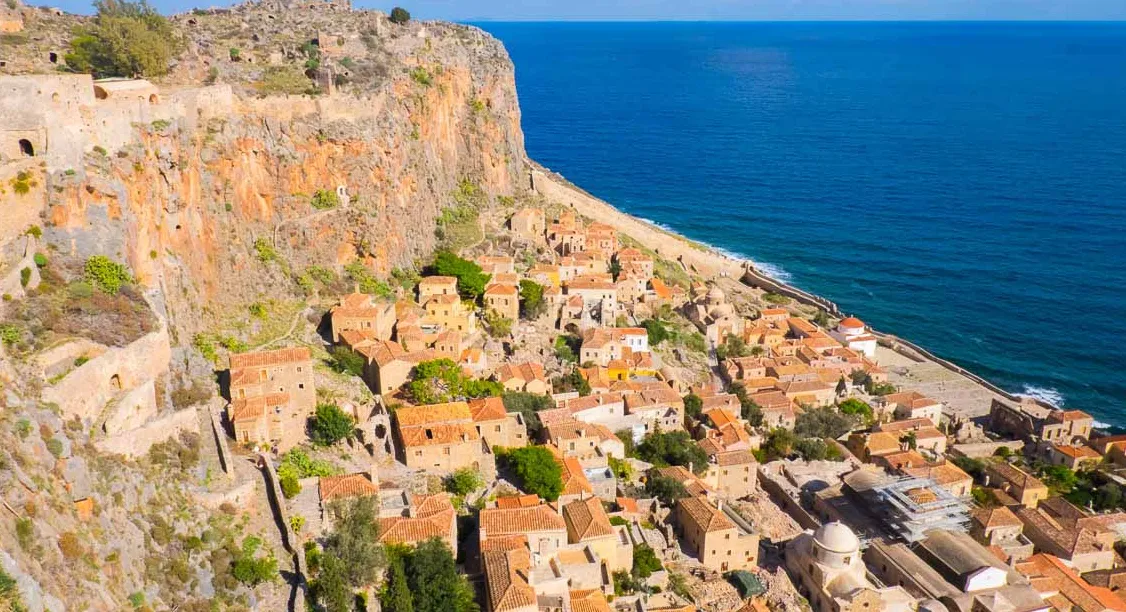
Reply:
x=1044, y=394
x=774, y=271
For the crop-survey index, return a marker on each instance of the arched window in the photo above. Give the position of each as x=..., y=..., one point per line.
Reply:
x=26, y=148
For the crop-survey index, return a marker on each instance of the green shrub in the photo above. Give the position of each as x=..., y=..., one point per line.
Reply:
x=346, y=361
x=367, y=282
x=106, y=274
x=421, y=76
x=289, y=485
x=10, y=334
x=265, y=251
x=80, y=290
x=40, y=260
x=22, y=183
x=34, y=231
x=234, y=54
x=324, y=199
x=257, y=310
x=55, y=445
x=25, y=276
x=537, y=470
x=125, y=39
x=25, y=533
x=400, y=15
x=160, y=125
x=463, y=482
x=330, y=425
x=289, y=80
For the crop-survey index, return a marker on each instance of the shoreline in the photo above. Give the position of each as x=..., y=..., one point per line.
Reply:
x=711, y=262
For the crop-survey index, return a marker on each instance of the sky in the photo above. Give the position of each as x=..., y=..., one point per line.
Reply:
x=715, y=10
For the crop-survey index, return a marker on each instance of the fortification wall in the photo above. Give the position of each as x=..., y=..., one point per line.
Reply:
x=137, y=442
x=86, y=391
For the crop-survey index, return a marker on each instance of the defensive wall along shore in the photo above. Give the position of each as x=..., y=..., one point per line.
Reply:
x=710, y=263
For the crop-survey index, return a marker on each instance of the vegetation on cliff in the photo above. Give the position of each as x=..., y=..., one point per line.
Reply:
x=125, y=39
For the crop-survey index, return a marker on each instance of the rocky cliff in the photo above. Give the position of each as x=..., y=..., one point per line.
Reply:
x=292, y=151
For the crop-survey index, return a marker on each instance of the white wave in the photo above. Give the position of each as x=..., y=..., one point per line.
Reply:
x=707, y=245
x=1044, y=394
x=1101, y=425
x=774, y=271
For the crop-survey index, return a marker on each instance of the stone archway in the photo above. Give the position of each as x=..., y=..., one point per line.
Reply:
x=26, y=148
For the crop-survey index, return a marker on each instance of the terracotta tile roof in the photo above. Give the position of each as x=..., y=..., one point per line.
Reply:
x=384, y=352
x=433, y=413
x=346, y=486
x=1064, y=588
x=526, y=372
x=707, y=517
x=739, y=457
x=445, y=298
x=487, y=409
x=627, y=504
x=910, y=399
x=601, y=336
x=906, y=424
x=501, y=289
x=438, y=433
x=587, y=519
x=575, y=481
x=506, y=583
x=357, y=337
x=254, y=407
x=1015, y=476
x=882, y=442
x=1071, y=415
x=259, y=359
x=1076, y=452
x=512, y=542
x=432, y=516
x=990, y=518
x=726, y=401
x=579, y=404
x=517, y=521
x=590, y=600
x=692, y=483
x=518, y=501
x=942, y=474
x=437, y=281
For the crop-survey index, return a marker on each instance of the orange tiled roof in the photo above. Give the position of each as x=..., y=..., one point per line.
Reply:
x=1050, y=575
x=523, y=520
x=1076, y=452
x=526, y=372
x=487, y=409
x=587, y=519
x=575, y=481
x=433, y=413
x=707, y=517
x=1000, y=516
x=346, y=486
x=438, y=433
x=518, y=501
x=589, y=600
x=506, y=583
x=254, y=407
x=433, y=517
x=501, y=289
x=268, y=358
x=438, y=281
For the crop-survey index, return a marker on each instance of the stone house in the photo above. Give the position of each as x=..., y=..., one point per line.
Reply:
x=530, y=223
x=732, y=473
x=946, y=475
x=1025, y=488
x=1033, y=422
x=599, y=298
x=910, y=405
x=541, y=526
x=440, y=438
x=432, y=286
x=388, y=366
x=358, y=311
x=1074, y=457
x=657, y=406
x=1001, y=528
x=1065, y=589
x=428, y=516
x=927, y=437
x=447, y=311
x=1059, y=528
x=341, y=488
x=528, y=377
x=603, y=345
x=713, y=538
x=272, y=395
x=584, y=441
x=588, y=525
x=497, y=426
x=496, y=265
x=504, y=300
x=634, y=262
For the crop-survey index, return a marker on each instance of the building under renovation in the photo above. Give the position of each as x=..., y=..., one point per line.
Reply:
x=906, y=507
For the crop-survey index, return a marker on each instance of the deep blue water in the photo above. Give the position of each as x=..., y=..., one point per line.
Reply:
x=959, y=184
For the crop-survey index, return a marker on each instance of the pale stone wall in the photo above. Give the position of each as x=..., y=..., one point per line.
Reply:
x=86, y=391
x=132, y=409
x=137, y=442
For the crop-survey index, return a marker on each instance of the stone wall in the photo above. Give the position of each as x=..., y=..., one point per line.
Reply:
x=87, y=390
x=137, y=442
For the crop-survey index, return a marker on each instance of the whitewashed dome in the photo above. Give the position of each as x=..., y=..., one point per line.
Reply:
x=716, y=295
x=836, y=537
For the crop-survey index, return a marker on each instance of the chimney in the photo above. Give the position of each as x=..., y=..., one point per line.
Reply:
x=719, y=505
x=690, y=467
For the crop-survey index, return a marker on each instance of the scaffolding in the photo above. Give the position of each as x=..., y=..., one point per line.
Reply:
x=910, y=506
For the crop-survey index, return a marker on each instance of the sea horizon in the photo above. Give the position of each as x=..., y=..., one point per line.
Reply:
x=974, y=166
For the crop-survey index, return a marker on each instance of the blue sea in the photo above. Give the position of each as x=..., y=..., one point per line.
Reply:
x=962, y=185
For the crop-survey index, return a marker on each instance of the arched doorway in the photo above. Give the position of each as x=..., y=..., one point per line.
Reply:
x=26, y=148
x=115, y=382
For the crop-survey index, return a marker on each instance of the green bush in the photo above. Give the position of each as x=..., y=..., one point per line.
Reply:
x=471, y=279
x=536, y=470
x=106, y=274
x=400, y=15
x=330, y=425
x=10, y=334
x=289, y=80
x=265, y=251
x=324, y=199
x=160, y=125
x=421, y=76
x=125, y=39
x=257, y=310
x=346, y=361
x=40, y=260
x=55, y=445
x=290, y=486
x=367, y=282
x=462, y=482
x=25, y=276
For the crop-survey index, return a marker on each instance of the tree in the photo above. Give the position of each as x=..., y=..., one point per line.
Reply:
x=528, y=404
x=572, y=381
x=125, y=39
x=656, y=331
x=910, y=439
x=748, y=408
x=463, y=482
x=531, y=299
x=626, y=436
x=537, y=470
x=673, y=448
x=331, y=587
x=1059, y=478
x=330, y=425
x=250, y=569
x=645, y=561
x=497, y=324
x=732, y=346
x=434, y=582
x=396, y=595
x=347, y=361
x=693, y=405
x=856, y=408
x=355, y=541
x=442, y=380
x=823, y=423
x=815, y=449
x=471, y=279
x=107, y=274
x=665, y=489
x=567, y=347
x=400, y=16
x=779, y=444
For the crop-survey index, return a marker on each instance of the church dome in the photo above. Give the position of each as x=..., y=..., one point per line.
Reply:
x=851, y=323
x=722, y=310
x=837, y=537
x=716, y=295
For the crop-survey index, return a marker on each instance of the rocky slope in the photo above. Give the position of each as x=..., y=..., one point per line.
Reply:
x=218, y=218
